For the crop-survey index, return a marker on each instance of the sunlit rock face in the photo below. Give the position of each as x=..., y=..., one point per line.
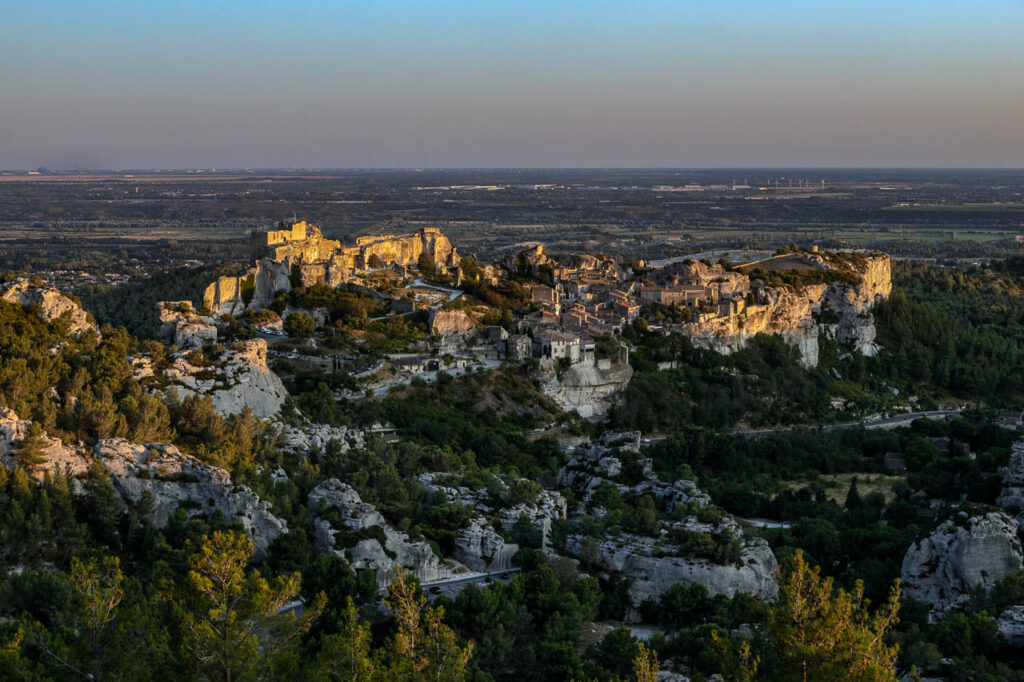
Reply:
x=48, y=304
x=237, y=379
x=841, y=310
x=965, y=552
x=299, y=254
x=183, y=327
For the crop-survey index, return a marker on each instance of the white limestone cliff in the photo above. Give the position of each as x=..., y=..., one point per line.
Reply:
x=351, y=515
x=967, y=551
x=238, y=378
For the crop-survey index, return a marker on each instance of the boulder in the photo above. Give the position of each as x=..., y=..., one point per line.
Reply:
x=967, y=551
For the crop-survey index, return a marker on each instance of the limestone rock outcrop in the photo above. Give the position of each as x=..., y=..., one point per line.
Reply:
x=299, y=254
x=782, y=312
x=657, y=561
x=655, y=565
x=840, y=309
x=1012, y=494
x=176, y=480
x=964, y=552
x=451, y=323
x=590, y=465
x=182, y=326
x=309, y=437
x=481, y=548
x=589, y=389
x=237, y=379
x=1011, y=625
x=548, y=506
x=356, y=530
x=59, y=457
x=49, y=304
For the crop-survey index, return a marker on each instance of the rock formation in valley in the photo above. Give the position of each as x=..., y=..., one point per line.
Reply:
x=971, y=549
x=655, y=563
x=344, y=524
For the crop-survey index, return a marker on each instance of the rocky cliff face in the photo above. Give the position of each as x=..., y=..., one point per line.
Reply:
x=238, y=379
x=852, y=304
x=253, y=290
x=406, y=249
x=183, y=327
x=782, y=312
x=840, y=310
x=481, y=548
x=60, y=457
x=176, y=480
x=49, y=304
x=654, y=566
x=965, y=552
x=587, y=389
x=358, y=532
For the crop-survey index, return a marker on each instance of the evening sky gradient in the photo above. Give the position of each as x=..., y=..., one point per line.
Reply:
x=154, y=84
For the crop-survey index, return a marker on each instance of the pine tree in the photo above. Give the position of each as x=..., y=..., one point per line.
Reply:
x=230, y=615
x=423, y=648
x=824, y=633
x=853, y=500
x=31, y=451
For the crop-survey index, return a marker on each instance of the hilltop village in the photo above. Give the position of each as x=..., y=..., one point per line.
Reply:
x=564, y=315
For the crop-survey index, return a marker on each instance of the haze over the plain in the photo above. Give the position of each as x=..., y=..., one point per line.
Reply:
x=526, y=83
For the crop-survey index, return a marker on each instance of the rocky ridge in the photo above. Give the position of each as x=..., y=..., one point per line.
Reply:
x=173, y=480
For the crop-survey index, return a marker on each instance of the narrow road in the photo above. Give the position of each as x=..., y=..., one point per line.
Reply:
x=450, y=587
x=882, y=423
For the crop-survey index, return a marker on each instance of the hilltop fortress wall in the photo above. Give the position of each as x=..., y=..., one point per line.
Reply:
x=299, y=254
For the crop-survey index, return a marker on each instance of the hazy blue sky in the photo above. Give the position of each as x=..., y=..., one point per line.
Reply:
x=217, y=83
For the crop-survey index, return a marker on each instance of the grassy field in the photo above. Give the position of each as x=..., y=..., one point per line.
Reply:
x=837, y=485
